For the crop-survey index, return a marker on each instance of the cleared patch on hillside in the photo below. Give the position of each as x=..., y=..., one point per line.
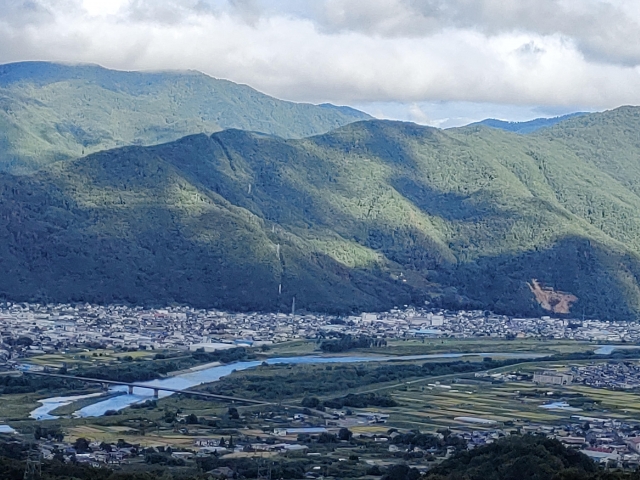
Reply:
x=549, y=299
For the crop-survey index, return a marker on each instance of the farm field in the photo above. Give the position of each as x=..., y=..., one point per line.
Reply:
x=428, y=406
x=88, y=358
x=425, y=399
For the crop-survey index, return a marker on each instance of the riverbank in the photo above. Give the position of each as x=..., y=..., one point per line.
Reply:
x=214, y=373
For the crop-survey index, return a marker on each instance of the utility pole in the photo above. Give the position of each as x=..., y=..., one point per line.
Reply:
x=293, y=306
x=33, y=470
x=259, y=475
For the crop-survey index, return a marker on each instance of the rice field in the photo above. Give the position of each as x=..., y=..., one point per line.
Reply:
x=509, y=404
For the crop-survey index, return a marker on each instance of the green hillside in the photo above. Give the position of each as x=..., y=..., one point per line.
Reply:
x=517, y=457
x=371, y=215
x=51, y=111
x=528, y=126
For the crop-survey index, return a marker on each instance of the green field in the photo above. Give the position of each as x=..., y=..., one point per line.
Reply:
x=88, y=358
x=426, y=400
x=414, y=346
x=516, y=403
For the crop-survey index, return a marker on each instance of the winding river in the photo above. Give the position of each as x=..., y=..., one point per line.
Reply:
x=208, y=375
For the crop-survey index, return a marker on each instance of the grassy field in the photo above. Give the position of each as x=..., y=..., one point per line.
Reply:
x=111, y=434
x=429, y=407
x=18, y=406
x=440, y=345
x=88, y=358
x=489, y=345
x=424, y=402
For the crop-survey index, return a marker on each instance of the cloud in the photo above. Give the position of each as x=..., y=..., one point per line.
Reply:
x=602, y=30
x=554, y=53
x=455, y=114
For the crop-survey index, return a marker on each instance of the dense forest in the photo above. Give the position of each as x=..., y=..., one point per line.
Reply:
x=372, y=215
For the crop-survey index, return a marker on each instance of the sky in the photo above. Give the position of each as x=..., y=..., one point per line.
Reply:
x=434, y=62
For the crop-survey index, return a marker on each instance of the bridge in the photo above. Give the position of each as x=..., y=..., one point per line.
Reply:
x=156, y=389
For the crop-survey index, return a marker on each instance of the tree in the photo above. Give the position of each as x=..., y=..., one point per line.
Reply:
x=326, y=437
x=310, y=402
x=81, y=445
x=401, y=472
x=345, y=434
x=24, y=341
x=192, y=419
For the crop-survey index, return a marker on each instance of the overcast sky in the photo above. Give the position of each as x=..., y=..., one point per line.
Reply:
x=438, y=62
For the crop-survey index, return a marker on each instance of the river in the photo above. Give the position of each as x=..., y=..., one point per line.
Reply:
x=208, y=375
x=608, y=349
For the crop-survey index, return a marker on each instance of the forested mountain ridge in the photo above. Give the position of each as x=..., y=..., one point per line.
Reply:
x=368, y=216
x=528, y=126
x=52, y=111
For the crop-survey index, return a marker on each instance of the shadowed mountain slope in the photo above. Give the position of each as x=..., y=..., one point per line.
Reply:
x=371, y=215
x=52, y=111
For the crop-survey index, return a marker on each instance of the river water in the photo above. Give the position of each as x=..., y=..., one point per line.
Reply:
x=188, y=380
x=608, y=349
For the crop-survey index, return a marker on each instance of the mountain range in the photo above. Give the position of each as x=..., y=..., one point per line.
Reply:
x=51, y=111
x=529, y=126
x=370, y=215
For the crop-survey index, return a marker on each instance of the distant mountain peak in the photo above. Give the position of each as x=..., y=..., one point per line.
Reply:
x=529, y=126
x=55, y=111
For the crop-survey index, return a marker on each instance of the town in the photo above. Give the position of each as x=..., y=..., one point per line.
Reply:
x=481, y=404
x=36, y=329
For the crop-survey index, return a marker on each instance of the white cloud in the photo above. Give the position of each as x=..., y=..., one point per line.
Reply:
x=555, y=53
x=101, y=7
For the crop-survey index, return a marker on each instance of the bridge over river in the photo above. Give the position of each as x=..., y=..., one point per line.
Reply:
x=156, y=389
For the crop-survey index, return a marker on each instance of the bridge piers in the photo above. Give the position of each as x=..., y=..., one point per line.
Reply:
x=156, y=390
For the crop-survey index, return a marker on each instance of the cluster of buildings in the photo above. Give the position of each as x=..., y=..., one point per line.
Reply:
x=605, y=440
x=36, y=328
x=96, y=453
x=610, y=375
x=467, y=324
